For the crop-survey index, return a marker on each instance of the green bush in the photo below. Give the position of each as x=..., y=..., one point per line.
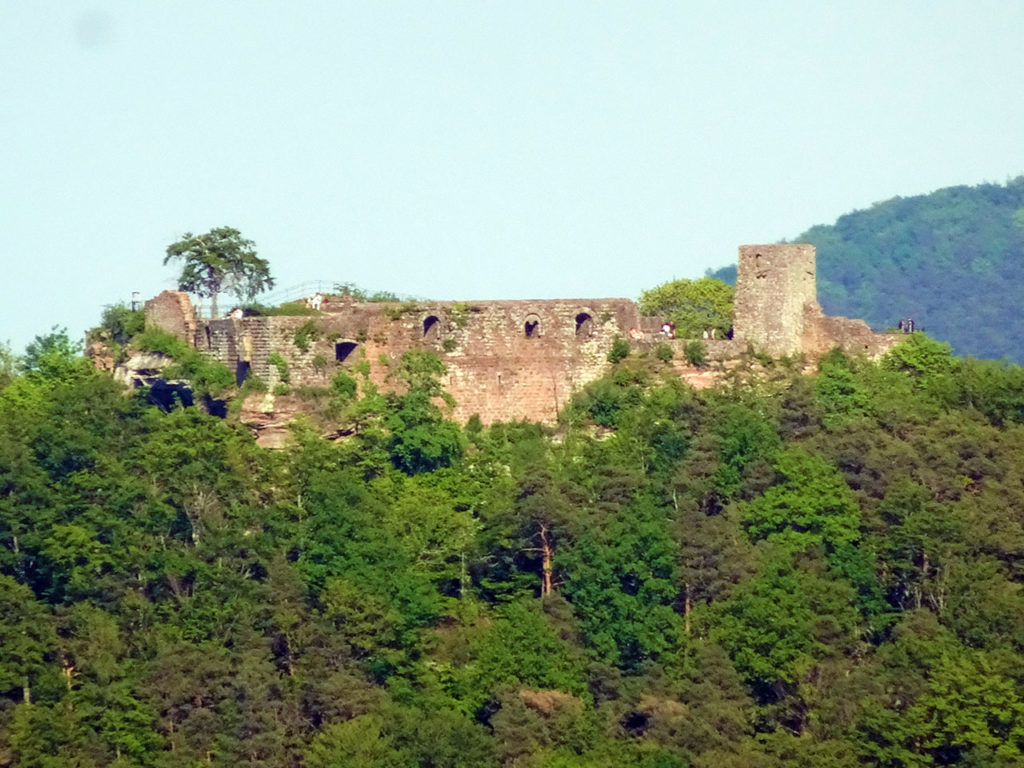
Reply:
x=288, y=309
x=695, y=353
x=306, y=333
x=155, y=340
x=343, y=387
x=205, y=376
x=355, y=293
x=460, y=314
x=283, y=374
x=253, y=383
x=603, y=400
x=120, y=324
x=396, y=311
x=619, y=350
x=664, y=352
x=920, y=356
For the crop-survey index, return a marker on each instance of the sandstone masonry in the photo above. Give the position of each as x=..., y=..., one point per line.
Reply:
x=510, y=360
x=777, y=310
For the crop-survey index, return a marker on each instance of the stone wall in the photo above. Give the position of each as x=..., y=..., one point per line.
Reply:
x=715, y=350
x=510, y=360
x=777, y=308
x=822, y=333
x=506, y=359
x=173, y=312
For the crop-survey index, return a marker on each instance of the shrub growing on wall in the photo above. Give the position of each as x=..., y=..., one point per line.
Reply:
x=695, y=353
x=619, y=350
x=304, y=334
x=283, y=374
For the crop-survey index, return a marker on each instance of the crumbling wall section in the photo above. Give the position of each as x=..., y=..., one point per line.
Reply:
x=506, y=360
x=855, y=337
x=173, y=312
x=777, y=310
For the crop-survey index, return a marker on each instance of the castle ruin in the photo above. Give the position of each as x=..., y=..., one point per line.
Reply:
x=511, y=360
x=776, y=307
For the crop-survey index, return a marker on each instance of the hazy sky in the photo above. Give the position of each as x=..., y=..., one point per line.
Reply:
x=474, y=150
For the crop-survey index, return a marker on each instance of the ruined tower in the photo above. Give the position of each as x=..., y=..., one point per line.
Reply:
x=774, y=285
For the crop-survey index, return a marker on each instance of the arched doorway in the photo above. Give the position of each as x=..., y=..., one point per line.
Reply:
x=432, y=329
x=531, y=326
x=343, y=351
x=584, y=325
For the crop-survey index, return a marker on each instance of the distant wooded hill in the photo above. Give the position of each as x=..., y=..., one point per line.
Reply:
x=951, y=260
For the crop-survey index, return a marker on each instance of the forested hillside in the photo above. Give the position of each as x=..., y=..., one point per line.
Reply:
x=951, y=260
x=784, y=571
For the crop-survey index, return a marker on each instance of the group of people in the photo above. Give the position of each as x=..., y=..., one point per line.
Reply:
x=668, y=330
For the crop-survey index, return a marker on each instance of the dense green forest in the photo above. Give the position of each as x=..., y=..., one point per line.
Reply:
x=786, y=570
x=951, y=260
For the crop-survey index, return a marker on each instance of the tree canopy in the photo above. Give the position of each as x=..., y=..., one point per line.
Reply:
x=220, y=260
x=950, y=260
x=783, y=570
x=695, y=306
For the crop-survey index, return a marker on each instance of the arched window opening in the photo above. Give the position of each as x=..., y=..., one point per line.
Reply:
x=343, y=350
x=242, y=368
x=531, y=328
x=432, y=328
x=757, y=266
x=584, y=325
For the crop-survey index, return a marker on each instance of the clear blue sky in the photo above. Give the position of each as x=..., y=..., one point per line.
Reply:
x=474, y=149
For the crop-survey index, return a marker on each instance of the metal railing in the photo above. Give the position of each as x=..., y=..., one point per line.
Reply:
x=308, y=288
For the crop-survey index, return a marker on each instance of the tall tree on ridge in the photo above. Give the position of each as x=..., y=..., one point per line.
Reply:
x=220, y=260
